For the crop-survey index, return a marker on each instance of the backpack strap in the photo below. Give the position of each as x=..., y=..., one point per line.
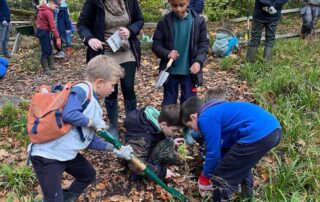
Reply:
x=84, y=106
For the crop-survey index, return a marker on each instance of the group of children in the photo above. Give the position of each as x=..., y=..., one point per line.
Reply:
x=236, y=135
x=53, y=25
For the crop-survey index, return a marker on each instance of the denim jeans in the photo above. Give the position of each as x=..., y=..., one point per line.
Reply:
x=4, y=38
x=309, y=15
x=270, y=33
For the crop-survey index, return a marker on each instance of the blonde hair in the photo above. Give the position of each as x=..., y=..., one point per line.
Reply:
x=215, y=93
x=104, y=67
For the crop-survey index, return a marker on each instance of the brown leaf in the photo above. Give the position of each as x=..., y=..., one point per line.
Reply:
x=101, y=186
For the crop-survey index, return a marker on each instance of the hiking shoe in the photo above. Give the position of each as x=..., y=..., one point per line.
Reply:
x=59, y=54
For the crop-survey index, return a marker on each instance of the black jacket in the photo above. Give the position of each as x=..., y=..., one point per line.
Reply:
x=91, y=24
x=263, y=16
x=199, y=43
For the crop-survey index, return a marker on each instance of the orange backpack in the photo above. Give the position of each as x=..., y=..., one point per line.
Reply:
x=45, y=113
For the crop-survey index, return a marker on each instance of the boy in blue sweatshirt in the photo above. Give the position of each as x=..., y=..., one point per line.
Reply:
x=51, y=159
x=181, y=36
x=236, y=135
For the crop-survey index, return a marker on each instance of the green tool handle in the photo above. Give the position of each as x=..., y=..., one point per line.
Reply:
x=117, y=144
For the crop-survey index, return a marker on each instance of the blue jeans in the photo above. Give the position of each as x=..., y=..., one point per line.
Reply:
x=270, y=33
x=45, y=43
x=4, y=38
x=236, y=165
x=171, y=89
x=309, y=15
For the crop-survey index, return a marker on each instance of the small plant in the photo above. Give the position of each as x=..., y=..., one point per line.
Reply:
x=227, y=63
x=183, y=152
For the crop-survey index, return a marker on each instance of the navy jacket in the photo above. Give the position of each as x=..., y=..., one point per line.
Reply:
x=137, y=125
x=196, y=5
x=91, y=25
x=199, y=44
x=4, y=11
x=265, y=17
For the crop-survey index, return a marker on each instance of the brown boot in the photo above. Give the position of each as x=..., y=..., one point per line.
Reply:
x=45, y=65
x=51, y=63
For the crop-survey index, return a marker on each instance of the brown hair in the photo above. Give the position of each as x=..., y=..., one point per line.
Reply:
x=215, y=93
x=104, y=67
x=170, y=115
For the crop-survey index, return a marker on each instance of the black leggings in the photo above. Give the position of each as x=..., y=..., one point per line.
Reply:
x=127, y=83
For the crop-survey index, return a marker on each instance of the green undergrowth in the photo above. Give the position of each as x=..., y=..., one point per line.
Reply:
x=289, y=87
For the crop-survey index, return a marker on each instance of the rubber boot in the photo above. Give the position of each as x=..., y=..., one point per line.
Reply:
x=267, y=54
x=130, y=105
x=251, y=54
x=70, y=196
x=187, y=134
x=112, y=112
x=52, y=65
x=45, y=65
x=246, y=192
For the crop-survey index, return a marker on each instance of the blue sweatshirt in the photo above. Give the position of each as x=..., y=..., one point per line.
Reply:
x=72, y=114
x=227, y=123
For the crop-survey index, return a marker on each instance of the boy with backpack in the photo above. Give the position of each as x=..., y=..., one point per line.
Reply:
x=225, y=43
x=82, y=110
x=266, y=15
x=182, y=36
x=45, y=25
x=236, y=135
x=150, y=133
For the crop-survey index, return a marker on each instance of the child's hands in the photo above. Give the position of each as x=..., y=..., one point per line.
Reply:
x=58, y=42
x=204, y=186
x=170, y=174
x=95, y=44
x=125, y=152
x=195, y=68
x=179, y=141
x=173, y=55
x=96, y=124
x=124, y=33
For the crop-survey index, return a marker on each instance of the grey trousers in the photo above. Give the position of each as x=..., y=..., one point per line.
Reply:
x=4, y=38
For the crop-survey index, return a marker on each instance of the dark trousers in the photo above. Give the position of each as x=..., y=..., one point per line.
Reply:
x=127, y=83
x=309, y=16
x=171, y=89
x=49, y=173
x=236, y=165
x=270, y=33
x=45, y=43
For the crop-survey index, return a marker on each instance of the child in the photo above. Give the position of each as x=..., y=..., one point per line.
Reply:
x=266, y=16
x=51, y=159
x=197, y=6
x=45, y=25
x=237, y=135
x=150, y=132
x=5, y=27
x=225, y=43
x=182, y=36
x=309, y=13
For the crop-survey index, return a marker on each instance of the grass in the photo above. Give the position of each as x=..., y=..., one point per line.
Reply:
x=288, y=87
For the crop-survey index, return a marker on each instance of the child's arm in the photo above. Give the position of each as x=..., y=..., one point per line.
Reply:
x=100, y=145
x=71, y=112
x=52, y=25
x=203, y=44
x=158, y=40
